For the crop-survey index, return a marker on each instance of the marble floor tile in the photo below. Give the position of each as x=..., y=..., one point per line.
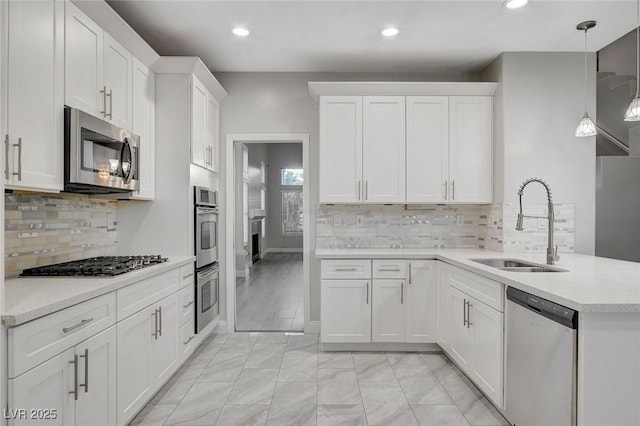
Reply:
x=174, y=390
x=386, y=405
x=299, y=367
x=204, y=354
x=243, y=415
x=294, y=404
x=444, y=370
x=439, y=415
x=265, y=356
x=341, y=415
x=153, y=415
x=335, y=360
x=305, y=343
x=201, y=405
x=338, y=387
x=224, y=367
x=272, y=337
x=374, y=368
x=475, y=407
x=422, y=388
x=405, y=361
x=254, y=386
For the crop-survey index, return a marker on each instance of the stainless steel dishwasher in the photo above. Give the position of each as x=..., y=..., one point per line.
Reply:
x=542, y=339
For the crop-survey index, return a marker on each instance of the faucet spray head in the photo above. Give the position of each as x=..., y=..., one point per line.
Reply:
x=519, y=222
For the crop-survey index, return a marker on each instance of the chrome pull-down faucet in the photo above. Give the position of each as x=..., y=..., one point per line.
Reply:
x=552, y=255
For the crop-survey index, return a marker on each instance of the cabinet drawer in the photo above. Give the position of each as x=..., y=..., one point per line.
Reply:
x=41, y=339
x=187, y=275
x=138, y=296
x=346, y=269
x=187, y=339
x=485, y=290
x=389, y=268
x=187, y=304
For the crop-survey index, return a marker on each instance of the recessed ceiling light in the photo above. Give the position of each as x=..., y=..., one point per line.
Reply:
x=240, y=31
x=514, y=4
x=389, y=31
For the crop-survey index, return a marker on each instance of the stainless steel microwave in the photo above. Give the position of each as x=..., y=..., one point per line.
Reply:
x=99, y=158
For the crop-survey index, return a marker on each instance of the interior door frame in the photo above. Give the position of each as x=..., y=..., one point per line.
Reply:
x=229, y=209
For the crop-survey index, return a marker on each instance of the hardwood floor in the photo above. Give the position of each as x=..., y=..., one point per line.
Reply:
x=271, y=298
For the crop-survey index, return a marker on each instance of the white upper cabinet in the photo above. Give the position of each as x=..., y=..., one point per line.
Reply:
x=199, y=96
x=117, y=80
x=34, y=79
x=143, y=124
x=427, y=149
x=83, y=62
x=341, y=149
x=470, y=149
x=383, y=149
x=213, y=128
x=406, y=149
x=98, y=70
x=204, y=126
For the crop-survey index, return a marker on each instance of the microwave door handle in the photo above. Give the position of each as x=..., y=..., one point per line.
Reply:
x=126, y=146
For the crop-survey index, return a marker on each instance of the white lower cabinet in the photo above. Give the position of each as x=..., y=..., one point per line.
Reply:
x=476, y=341
x=346, y=311
x=420, y=300
x=444, y=308
x=387, y=316
x=148, y=354
x=398, y=304
x=76, y=387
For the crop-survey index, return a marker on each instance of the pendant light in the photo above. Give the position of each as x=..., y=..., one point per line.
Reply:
x=586, y=127
x=633, y=112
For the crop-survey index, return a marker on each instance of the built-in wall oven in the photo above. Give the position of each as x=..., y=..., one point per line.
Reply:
x=207, y=291
x=206, y=252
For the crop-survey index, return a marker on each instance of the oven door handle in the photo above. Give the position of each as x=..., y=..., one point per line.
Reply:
x=204, y=210
x=207, y=274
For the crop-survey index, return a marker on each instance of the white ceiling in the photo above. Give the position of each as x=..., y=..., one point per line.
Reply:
x=343, y=36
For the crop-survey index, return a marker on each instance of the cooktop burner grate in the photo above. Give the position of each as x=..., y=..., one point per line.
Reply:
x=103, y=266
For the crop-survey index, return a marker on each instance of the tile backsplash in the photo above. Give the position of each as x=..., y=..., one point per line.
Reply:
x=442, y=226
x=41, y=229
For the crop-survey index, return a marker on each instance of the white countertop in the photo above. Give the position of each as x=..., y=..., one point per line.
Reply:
x=591, y=284
x=29, y=298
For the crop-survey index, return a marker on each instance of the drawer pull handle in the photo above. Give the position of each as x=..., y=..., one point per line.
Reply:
x=188, y=340
x=346, y=269
x=75, y=377
x=78, y=325
x=86, y=371
x=188, y=304
x=190, y=274
x=389, y=270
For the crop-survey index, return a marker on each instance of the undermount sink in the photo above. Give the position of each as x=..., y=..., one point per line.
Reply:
x=515, y=265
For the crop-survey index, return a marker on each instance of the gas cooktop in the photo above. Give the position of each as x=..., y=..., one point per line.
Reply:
x=103, y=266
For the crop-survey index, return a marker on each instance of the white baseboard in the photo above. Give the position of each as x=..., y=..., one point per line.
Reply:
x=282, y=250
x=312, y=327
x=381, y=347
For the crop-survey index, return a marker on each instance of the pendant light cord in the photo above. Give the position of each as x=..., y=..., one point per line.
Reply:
x=586, y=89
x=638, y=49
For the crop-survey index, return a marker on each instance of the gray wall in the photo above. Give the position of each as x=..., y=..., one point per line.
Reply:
x=538, y=106
x=281, y=156
x=280, y=103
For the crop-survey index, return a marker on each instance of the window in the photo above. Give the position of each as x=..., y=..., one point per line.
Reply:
x=291, y=177
x=292, y=217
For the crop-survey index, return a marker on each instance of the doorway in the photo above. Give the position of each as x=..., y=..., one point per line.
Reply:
x=268, y=283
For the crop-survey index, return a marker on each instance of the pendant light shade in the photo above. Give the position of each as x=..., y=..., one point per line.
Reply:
x=586, y=126
x=633, y=112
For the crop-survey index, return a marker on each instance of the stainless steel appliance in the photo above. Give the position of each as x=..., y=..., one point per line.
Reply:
x=102, y=266
x=206, y=226
x=207, y=291
x=542, y=339
x=99, y=158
